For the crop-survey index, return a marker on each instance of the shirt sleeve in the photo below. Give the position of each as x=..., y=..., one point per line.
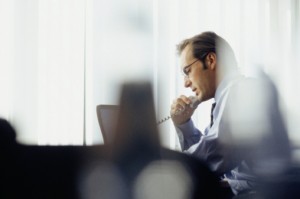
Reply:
x=188, y=134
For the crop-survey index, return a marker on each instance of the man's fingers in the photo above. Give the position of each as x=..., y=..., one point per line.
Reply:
x=186, y=99
x=178, y=106
x=181, y=101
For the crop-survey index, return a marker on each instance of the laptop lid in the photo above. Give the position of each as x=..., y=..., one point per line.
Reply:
x=107, y=117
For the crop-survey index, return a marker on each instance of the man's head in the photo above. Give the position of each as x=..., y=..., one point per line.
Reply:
x=202, y=57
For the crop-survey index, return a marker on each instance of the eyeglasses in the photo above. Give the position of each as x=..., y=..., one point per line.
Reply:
x=186, y=70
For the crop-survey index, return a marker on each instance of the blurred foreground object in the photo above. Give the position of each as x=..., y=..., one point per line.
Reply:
x=256, y=126
x=256, y=133
x=149, y=170
x=134, y=166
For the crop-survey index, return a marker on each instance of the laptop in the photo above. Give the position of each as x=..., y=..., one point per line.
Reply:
x=107, y=117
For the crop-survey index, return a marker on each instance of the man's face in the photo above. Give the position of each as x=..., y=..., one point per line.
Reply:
x=201, y=81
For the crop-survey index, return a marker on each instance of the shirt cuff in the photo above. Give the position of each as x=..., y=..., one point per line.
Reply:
x=187, y=128
x=187, y=134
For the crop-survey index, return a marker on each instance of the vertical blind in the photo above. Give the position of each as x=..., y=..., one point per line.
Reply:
x=61, y=58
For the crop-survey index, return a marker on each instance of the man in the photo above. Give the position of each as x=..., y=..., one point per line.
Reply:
x=247, y=141
x=210, y=70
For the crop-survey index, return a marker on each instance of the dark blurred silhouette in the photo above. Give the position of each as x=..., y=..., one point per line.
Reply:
x=136, y=166
x=8, y=135
x=8, y=148
x=133, y=166
x=41, y=171
x=137, y=145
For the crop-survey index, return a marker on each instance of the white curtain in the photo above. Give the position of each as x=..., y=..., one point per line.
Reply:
x=42, y=69
x=61, y=58
x=262, y=33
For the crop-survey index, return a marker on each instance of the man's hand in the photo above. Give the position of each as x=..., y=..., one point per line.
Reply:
x=181, y=110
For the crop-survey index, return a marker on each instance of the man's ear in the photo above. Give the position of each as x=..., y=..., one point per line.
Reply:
x=211, y=61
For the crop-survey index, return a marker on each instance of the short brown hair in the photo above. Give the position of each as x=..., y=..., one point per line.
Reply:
x=207, y=42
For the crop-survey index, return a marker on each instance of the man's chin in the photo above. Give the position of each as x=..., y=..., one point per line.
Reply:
x=199, y=97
